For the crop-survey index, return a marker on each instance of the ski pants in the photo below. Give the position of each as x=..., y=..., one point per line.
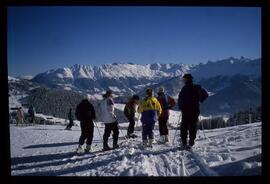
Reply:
x=189, y=126
x=108, y=128
x=147, y=131
x=87, y=131
x=131, y=124
x=163, y=125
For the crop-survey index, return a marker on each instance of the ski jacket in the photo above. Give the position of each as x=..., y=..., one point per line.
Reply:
x=85, y=111
x=166, y=103
x=190, y=96
x=107, y=110
x=130, y=108
x=150, y=109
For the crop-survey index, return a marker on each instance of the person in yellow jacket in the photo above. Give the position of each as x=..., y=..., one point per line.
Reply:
x=151, y=110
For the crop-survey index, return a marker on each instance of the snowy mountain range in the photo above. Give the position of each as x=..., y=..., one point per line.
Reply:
x=224, y=79
x=228, y=67
x=123, y=79
x=129, y=78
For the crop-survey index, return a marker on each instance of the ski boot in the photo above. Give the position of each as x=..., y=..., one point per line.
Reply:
x=80, y=149
x=132, y=135
x=115, y=146
x=162, y=139
x=187, y=147
x=144, y=144
x=150, y=144
x=191, y=142
x=88, y=148
x=166, y=138
x=106, y=147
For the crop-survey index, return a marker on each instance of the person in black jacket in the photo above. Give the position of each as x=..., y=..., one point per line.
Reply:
x=188, y=102
x=85, y=113
x=70, y=117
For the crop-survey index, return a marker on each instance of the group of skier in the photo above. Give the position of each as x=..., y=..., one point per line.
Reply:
x=21, y=117
x=152, y=109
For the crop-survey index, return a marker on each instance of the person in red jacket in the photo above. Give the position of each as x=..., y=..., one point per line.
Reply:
x=129, y=111
x=166, y=103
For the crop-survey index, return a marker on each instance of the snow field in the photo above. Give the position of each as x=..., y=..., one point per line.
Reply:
x=48, y=150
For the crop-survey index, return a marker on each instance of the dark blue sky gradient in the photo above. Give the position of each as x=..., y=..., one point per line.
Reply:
x=42, y=38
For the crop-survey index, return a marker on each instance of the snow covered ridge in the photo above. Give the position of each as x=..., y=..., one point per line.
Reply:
x=117, y=71
x=229, y=66
x=13, y=79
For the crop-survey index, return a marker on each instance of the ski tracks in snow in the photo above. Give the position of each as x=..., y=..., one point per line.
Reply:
x=33, y=157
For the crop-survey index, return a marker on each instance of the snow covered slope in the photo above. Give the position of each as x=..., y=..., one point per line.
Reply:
x=48, y=150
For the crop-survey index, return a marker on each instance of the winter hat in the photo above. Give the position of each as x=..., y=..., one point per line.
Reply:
x=109, y=93
x=161, y=90
x=149, y=92
x=135, y=97
x=187, y=76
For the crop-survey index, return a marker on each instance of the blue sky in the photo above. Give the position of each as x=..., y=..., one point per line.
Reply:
x=43, y=38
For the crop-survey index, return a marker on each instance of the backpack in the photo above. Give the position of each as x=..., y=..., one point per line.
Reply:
x=83, y=112
x=171, y=102
x=201, y=93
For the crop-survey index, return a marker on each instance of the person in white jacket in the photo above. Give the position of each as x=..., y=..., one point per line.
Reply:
x=110, y=121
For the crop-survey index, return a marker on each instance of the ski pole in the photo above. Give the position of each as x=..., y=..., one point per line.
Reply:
x=138, y=120
x=98, y=130
x=176, y=128
x=203, y=128
x=120, y=129
x=122, y=132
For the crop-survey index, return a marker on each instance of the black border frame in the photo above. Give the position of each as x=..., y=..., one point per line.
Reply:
x=5, y=162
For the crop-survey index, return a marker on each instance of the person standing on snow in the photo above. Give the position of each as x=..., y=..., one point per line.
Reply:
x=20, y=117
x=110, y=121
x=85, y=113
x=151, y=110
x=31, y=113
x=166, y=103
x=188, y=102
x=70, y=117
x=129, y=111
